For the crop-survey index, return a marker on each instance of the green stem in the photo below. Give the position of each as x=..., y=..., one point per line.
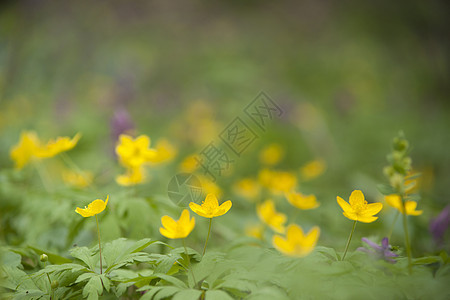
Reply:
x=407, y=243
x=99, y=245
x=207, y=237
x=52, y=294
x=43, y=175
x=348, y=241
x=189, y=262
x=393, y=224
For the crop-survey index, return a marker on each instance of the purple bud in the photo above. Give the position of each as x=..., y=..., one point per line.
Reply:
x=121, y=123
x=379, y=252
x=439, y=225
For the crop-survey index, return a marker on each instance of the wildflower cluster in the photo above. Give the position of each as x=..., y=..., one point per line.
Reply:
x=30, y=148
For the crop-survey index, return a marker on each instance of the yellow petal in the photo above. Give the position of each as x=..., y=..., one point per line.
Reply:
x=357, y=198
x=351, y=215
x=344, y=205
x=168, y=223
x=97, y=206
x=199, y=210
x=167, y=233
x=294, y=233
x=211, y=200
x=142, y=141
x=311, y=237
x=410, y=207
x=373, y=208
x=223, y=208
x=84, y=212
x=282, y=245
x=367, y=219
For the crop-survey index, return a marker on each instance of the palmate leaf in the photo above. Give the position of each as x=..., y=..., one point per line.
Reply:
x=121, y=252
x=95, y=284
x=85, y=255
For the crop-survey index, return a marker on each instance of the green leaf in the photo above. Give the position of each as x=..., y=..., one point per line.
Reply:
x=217, y=295
x=426, y=260
x=166, y=292
x=10, y=259
x=93, y=287
x=85, y=255
x=187, y=295
x=53, y=258
x=165, y=263
x=386, y=189
x=175, y=281
x=120, y=252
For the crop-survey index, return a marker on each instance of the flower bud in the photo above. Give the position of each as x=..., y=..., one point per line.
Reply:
x=54, y=284
x=43, y=258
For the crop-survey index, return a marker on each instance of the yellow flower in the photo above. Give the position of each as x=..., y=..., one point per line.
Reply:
x=271, y=154
x=359, y=209
x=209, y=187
x=94, y=208
x=296, y=242
x=277, y=181
x=133, y=153
x=26, y=150
x=77, y=179
x=255, y=231
x=210, y=207
x=132, y=176
x=177, y=229
x=61, y=144
x=247, y=188
x=165, y=151
x=189, y=164
x=313, y=169
x=410, y=206
x=267, y=213
x=302, y=201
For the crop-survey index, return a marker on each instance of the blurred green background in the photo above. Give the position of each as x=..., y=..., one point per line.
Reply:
x=348, y=74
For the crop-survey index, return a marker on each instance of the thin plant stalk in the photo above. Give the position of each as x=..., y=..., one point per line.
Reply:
x=207, y=237
x=52, y=293
x=348, y=241
x=393, y=224
x=99, y=245
x=189, y=262
x=407, y=243
x=43, y=175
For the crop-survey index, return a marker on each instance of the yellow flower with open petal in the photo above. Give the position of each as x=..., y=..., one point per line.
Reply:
x=133, y=176
x=133, y=153
x=165, y=151
x=27, y=149
x=61, y=144
x=94, y=208
x=410, y=206
x=359, y=209
x=296, y=242
x=277, y=181
x=267, y=213
x=247, y=188
x=313, y=169
x=78, y=179
x=210, y=207
x=302, y=201
x=177, y=229
x=271, y=154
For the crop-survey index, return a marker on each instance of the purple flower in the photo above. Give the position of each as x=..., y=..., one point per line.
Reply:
x=120, y=123
x=439, y=225
x=379, y=252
